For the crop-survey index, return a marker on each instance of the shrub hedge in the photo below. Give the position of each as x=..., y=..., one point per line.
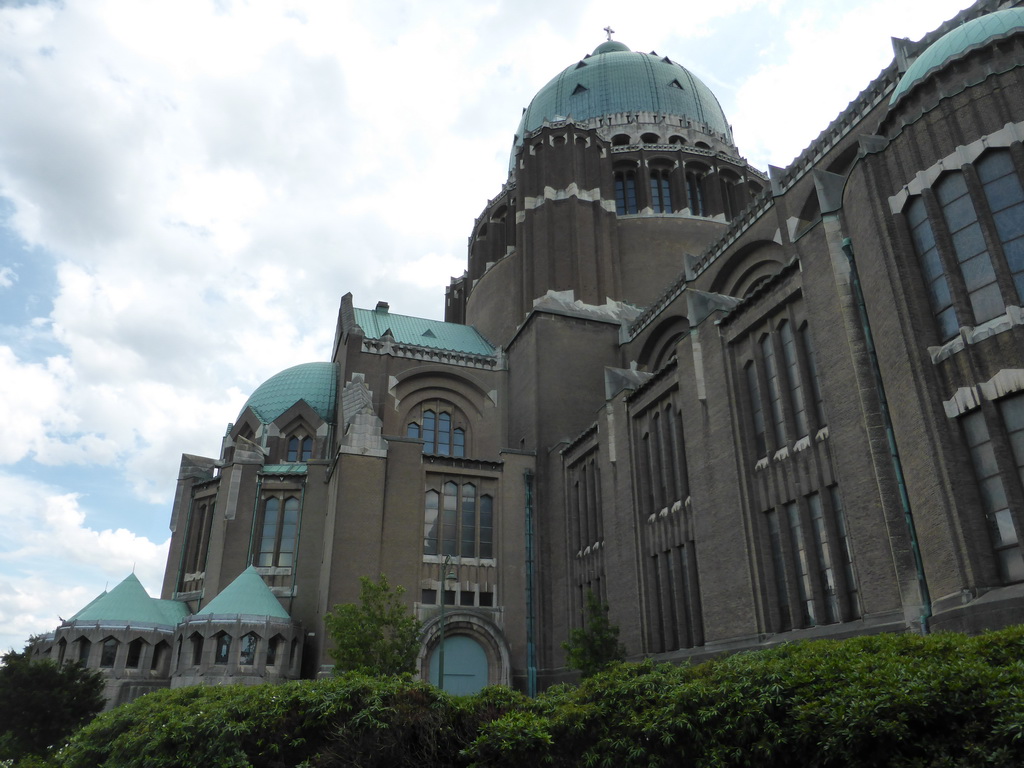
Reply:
x=890, y=700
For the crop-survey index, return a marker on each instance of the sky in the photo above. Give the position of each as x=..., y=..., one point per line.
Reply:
x=188, y=187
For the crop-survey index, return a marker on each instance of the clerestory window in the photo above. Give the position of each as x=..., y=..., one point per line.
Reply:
x=625, y=193
x=300, y=448
x=968, y=234
x=439, y=433
x=661, y=194
x=278, y=532
x=458, y=521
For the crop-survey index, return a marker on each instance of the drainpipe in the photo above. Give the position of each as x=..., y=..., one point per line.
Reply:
x=531, y=645
x=894, y=454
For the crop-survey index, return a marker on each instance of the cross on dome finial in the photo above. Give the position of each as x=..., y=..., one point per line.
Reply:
x=609, y=32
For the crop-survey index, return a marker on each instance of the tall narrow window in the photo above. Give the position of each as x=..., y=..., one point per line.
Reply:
x=826, y=572
x=134, y=653
x=450, y=518
x=223, y=651
x=756, y=410
x=778, y=557
x=486, y=526
x=939, y=295
x=1003, y=532
x=771, y=370
x=801, y=561
x=197, y=649
x=817, y=402
x=695, y=193
x=430, y=529
x=467, y=538
x=247, y=650
x=846, y=553
x=793, y=378
x=108, y=653
x=969, y=243
x=625, y=193
x=279, y=532
x=661, y=194
x=1005, y=198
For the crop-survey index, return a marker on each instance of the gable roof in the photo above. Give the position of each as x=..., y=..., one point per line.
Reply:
x=247, y=595
x=421, y=332
x=129, y=602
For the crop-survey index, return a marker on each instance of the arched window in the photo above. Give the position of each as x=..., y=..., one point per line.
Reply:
x=661, y=195
x=438, y=431
x=198, y=536
x=279, y=532
x=161, y=657
x=223, y=648
x=84, y=649
x=971, y=246
x=247, y=650
x=134, y=653
x=620, y=140
x=300, y=448
x=273, y=650
x=108, y=654
x=650, y=138
x=625, y=193
x=197, y=649
x=695, y=192
x=458, y=521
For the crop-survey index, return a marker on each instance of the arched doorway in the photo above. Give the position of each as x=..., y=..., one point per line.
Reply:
x=465, y=665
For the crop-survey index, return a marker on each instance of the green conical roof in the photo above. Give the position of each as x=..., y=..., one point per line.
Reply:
x=129, y=602
x=248, y=595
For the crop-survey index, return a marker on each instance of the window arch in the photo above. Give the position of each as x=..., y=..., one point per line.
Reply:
x=625, y=192
x=223, y=648
x=695, y=197
x=661, y=193
x=108, y=653
x=279, y=532
x=84, y=649
x=441, y=430
x=196, y=640
x=650, y=138
x=620, y=140
x=300, y=448
x=135, y=648
x=247, y=650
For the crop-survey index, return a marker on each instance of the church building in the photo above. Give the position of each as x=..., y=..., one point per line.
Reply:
x=740, y=407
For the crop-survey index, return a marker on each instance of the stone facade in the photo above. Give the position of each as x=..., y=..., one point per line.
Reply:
x=742, y=408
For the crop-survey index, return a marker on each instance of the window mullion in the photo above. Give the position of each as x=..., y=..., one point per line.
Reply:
x=947, y=255
x=1004, y=279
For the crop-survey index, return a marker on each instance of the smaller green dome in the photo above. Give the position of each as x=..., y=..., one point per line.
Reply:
x=609, y=46
x=958, y=41
x=316, y=383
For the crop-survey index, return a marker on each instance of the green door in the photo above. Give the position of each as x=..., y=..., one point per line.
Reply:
x=465, y=665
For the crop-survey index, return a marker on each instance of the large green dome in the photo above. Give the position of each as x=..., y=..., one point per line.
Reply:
x=616, y=80
x=959, y=41
x=316, y=383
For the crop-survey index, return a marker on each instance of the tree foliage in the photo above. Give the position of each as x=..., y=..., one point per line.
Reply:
x=893, y=701
x=42, y=704
x=377, y=637
x=595, y=645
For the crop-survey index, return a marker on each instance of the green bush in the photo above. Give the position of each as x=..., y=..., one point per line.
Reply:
x=944, y=701
x=889, y=700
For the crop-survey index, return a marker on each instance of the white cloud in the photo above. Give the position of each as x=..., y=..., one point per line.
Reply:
x=7, y=277
x=53, y=562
